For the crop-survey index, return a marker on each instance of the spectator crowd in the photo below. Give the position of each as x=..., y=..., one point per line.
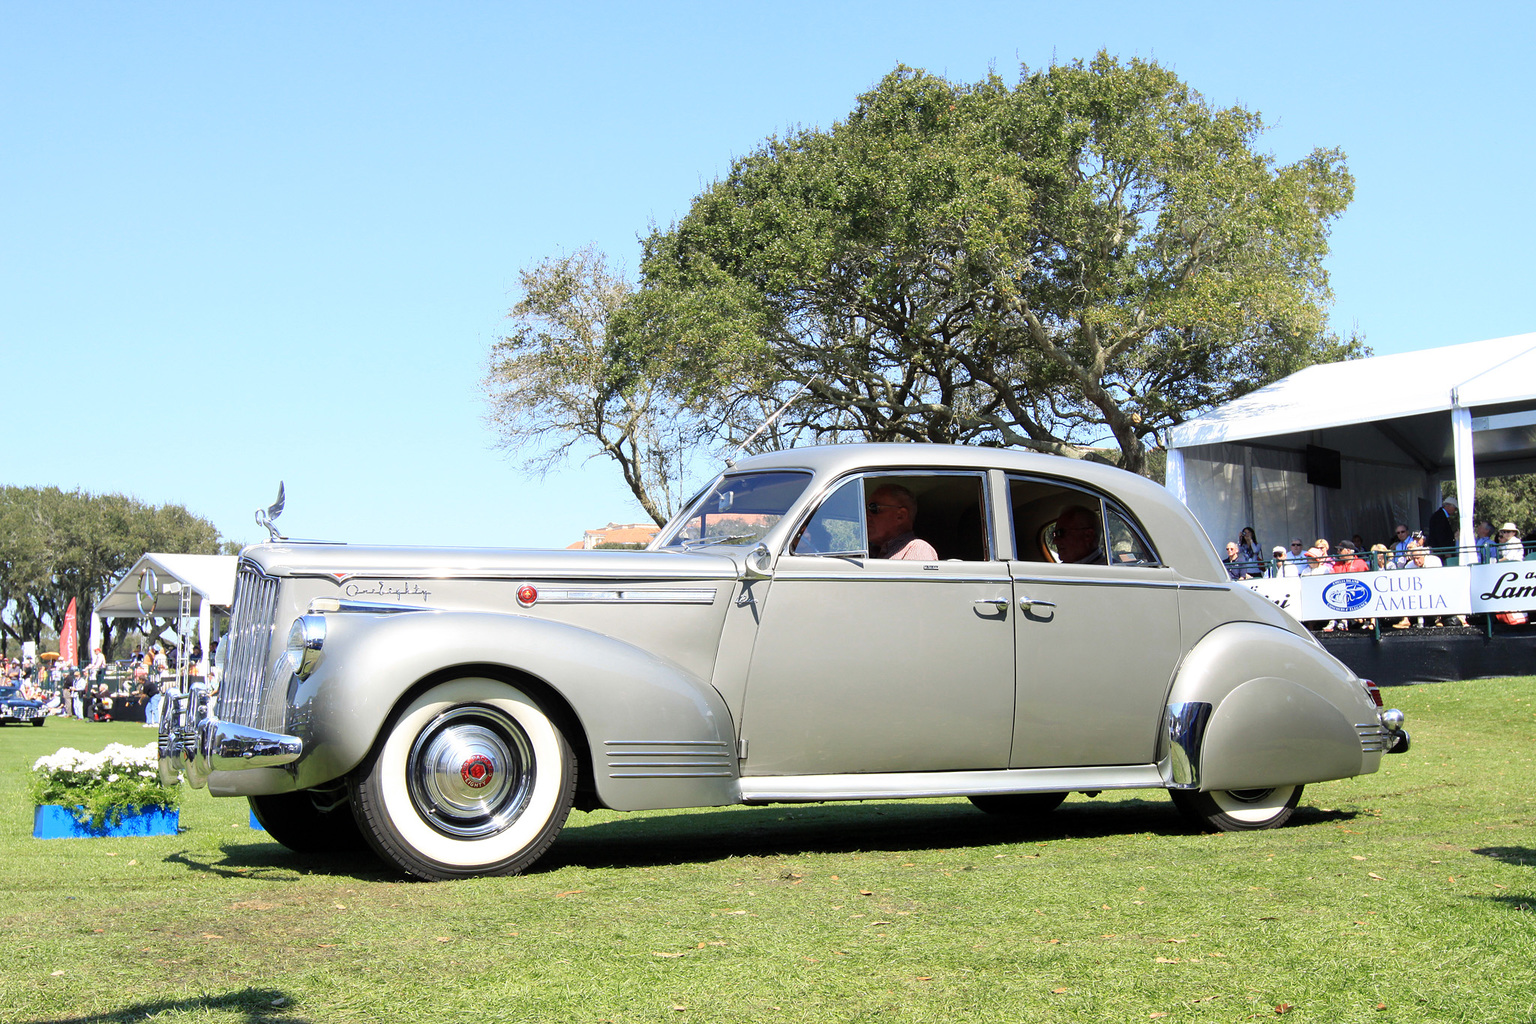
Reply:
x=1436, y=545
x=134, y=689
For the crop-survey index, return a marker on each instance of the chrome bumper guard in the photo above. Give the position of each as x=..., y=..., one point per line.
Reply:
x=193, y=743
x=1398, y=739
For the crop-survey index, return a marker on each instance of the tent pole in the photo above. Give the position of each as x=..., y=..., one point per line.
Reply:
x=1174, y=475
x=1466, y=478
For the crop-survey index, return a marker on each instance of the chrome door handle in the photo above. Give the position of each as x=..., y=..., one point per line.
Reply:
x=1000, y=603
x=1027, y=603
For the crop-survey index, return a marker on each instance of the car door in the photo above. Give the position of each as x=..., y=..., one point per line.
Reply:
x=879, y=665
x=1098, y=639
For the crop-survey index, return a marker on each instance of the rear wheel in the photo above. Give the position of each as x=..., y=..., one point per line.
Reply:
x=473, y=778
x=310, y=821
x=1019, y=805
x=1238, y=810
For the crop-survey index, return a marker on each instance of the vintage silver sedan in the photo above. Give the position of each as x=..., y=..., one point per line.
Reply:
x=840, y=623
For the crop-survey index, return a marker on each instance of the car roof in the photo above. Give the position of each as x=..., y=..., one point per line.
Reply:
x=1179, y=537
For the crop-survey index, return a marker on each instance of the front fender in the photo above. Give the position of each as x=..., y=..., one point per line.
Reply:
x=635, y=708
x=1281, y=711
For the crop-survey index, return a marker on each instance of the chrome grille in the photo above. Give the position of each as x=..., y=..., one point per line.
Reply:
x=250, y=637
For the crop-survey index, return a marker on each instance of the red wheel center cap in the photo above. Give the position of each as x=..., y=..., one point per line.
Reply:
x=477, y=771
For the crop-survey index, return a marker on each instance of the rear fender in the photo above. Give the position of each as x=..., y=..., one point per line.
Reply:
x=1254, y=706
x=655, y=735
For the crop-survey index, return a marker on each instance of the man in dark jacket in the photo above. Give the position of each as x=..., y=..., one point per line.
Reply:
x=1441, y=531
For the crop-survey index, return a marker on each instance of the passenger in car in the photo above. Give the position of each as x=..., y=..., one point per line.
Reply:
x=892, y=517
x=1077, y=536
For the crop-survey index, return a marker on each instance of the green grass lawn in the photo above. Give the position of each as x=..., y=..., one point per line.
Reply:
x=1408, y=895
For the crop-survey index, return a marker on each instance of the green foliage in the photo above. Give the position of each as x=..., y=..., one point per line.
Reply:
x=1093, y=254
x=556, y=382
x=101, y=787
x=56, y=545
x=1503, y=499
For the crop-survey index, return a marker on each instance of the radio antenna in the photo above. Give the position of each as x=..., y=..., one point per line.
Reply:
x=730, y=463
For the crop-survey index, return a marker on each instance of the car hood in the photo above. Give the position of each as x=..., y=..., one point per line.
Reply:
x=345, y=561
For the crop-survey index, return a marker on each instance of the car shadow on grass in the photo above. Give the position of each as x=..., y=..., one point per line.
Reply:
x=892, y=826
x=1524, y=856
x=273, y=862
x=256, y=1006
x=716, y=833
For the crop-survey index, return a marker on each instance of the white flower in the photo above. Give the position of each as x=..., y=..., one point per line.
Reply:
x=113, y=777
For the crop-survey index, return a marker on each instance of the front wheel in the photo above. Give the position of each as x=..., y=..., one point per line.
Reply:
x=472, y=778
x=309, y=821
x=1238, y=810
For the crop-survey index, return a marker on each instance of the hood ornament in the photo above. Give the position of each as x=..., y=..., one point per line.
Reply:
x=267, y=516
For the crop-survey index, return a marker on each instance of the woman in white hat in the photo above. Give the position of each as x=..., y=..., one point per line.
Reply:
x=1510, y=548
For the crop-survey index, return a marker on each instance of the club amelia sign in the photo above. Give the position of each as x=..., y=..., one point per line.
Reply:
x=1456, y=590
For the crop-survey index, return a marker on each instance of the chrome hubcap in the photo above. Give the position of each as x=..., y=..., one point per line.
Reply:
x=471, y=772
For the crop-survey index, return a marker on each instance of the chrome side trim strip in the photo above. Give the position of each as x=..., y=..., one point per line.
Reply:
x=627, y=596
x=894, y=785
x=669, y=759
x=481, y=575
x=332, y=605
x=1185, y=724
x=1374, y=739
x=886, y=577
x=1084, y=581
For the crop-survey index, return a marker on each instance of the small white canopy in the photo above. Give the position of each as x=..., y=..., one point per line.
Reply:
x=207, y=580
x=1398, y=426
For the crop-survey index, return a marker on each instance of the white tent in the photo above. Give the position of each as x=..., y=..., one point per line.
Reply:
x=1359, y=446
x=162, y=585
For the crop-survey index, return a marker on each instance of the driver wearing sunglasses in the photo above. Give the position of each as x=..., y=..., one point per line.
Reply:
x=891, y=515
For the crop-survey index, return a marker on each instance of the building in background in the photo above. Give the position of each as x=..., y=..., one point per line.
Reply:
x=614, y=534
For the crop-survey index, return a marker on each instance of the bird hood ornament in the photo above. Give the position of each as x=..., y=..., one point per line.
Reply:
x=267, y=516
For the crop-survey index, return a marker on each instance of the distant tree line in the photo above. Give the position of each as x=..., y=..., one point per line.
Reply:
x=56, y=545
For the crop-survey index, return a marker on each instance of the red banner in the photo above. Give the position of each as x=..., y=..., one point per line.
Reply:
x=69, y=638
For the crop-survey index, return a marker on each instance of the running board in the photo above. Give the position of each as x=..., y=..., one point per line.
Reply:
x=762, y=789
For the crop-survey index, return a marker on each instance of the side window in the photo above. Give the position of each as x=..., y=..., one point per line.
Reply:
x=837, y=525
x=1126, y=544
x=1055, y=522
x=883, y=514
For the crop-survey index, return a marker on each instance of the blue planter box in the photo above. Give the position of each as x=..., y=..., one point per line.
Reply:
x=50, y=821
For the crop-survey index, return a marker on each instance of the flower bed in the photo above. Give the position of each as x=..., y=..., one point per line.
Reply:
x=99, y=789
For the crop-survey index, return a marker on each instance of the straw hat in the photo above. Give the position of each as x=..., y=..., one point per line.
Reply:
x=1510, y=528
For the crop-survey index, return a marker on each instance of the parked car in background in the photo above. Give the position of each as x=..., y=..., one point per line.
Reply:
x=1068, y=628
x=16, y=708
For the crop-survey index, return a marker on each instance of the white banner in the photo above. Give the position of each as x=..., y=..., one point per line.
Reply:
x=1456, y=590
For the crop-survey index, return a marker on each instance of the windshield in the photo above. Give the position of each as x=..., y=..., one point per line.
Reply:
x=737, y=510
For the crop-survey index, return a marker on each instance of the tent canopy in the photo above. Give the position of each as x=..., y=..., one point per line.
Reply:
x=1397, y=426
x=210, y=578
x=1410, y=393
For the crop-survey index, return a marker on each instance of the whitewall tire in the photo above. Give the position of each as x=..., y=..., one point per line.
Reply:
x=1238, y=810
x=472, y=778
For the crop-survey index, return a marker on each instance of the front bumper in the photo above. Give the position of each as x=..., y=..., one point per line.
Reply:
x=194, y=743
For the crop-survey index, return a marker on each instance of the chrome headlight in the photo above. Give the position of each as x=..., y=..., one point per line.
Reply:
x=306, y=638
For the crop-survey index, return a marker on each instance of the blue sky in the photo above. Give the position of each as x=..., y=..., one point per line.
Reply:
x=248, y=242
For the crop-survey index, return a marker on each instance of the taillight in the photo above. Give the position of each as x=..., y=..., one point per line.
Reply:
x=1375, y=693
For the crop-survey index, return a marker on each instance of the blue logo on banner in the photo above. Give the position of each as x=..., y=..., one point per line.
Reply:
x=1346, y=595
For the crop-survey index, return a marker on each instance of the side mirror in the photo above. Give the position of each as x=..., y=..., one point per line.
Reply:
x=759, y=563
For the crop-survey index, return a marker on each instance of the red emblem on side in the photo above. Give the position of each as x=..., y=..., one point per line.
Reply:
x=526, y=595
x=478, y=771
